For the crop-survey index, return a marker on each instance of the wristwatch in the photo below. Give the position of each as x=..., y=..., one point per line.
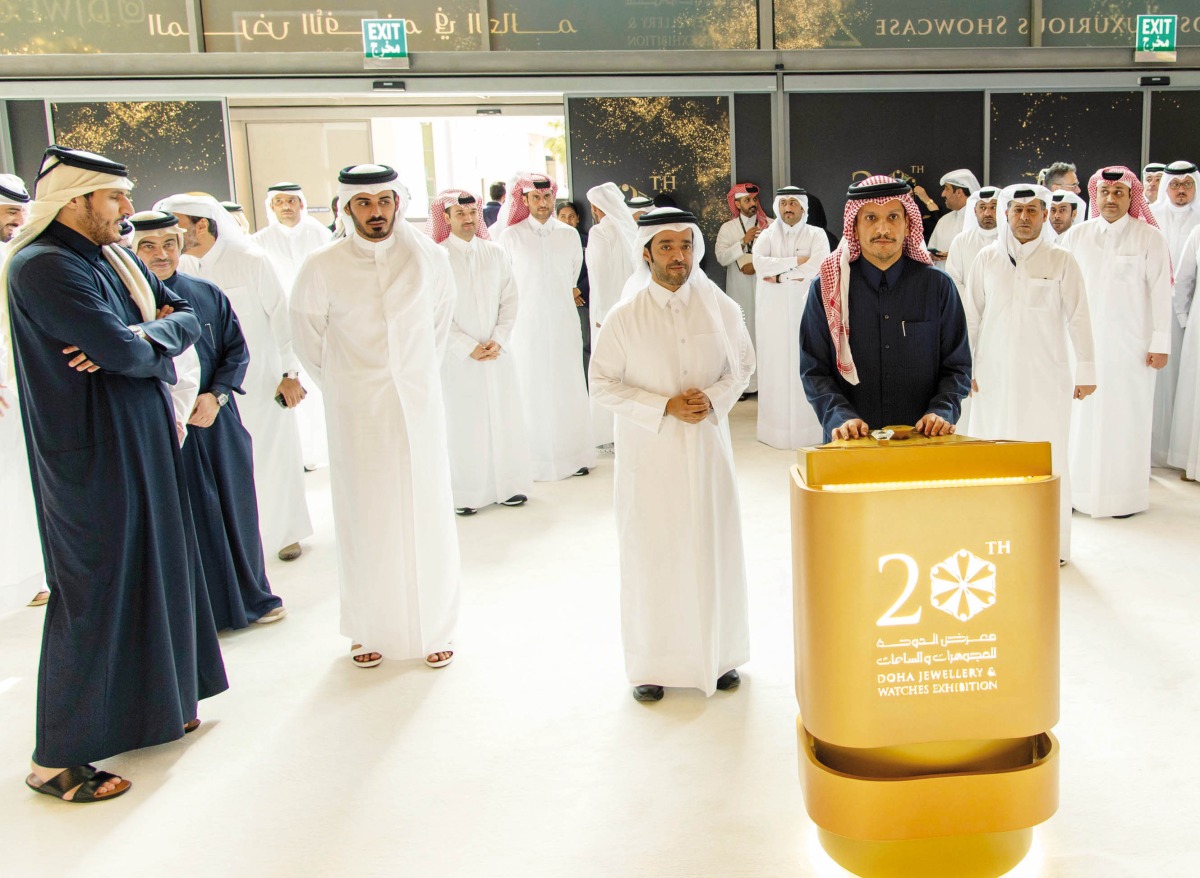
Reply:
x=295, y=376
x=222, y=398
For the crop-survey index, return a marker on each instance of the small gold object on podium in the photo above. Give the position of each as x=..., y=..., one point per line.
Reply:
x=927, y=649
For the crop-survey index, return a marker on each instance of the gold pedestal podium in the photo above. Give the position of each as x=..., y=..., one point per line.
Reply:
x=926, y=617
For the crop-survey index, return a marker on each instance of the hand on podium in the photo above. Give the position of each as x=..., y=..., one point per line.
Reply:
x=934, y=425
x=855, y=428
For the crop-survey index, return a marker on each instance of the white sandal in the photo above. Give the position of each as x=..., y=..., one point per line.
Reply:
x=357, y=650
x=443, y=662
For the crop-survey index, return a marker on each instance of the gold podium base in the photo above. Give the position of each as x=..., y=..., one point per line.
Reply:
x=988, y=855
x=959, y=809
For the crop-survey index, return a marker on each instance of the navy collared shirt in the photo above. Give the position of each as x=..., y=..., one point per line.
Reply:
x=909, y=343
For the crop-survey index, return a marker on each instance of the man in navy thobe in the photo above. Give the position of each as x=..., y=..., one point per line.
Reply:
x=217, y=455
x=128, y=645
x=911, y=363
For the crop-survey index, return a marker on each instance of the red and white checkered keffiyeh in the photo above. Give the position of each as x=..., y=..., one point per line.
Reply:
x=517, y=209
x=835, y=269
x=438, y=227
x=1139, y=208
x=737, y=192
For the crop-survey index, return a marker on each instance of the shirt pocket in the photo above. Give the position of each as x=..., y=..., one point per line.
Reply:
x=918, y=342
x=1038, y=294
x=1126, y=269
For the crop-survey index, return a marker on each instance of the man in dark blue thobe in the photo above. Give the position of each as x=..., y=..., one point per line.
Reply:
x=128, y=645
x=911, y=363
x=217, y=455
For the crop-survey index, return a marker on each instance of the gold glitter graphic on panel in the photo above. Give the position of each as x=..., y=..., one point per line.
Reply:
x=174, y=133
x=54, y=43
x=1035, y=134
x=688, y=138
x=728, y=24
x=817, y=24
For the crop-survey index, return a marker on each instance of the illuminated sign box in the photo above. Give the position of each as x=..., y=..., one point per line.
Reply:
x=1156, y=36
x=385, y=43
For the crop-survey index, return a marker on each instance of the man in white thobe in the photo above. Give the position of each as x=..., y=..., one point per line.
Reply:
x=371, y=314
x=20, y=543
x=1177, y=211
x=546, y=258
x=671, y=361
x=216, y=251
x=609, y=257
x=1024, y=296
x=734, y=249
x=1127, y=268
x=980, y=228
x=1152, y=176
x=287, y=240
x=787, y=256
x=1066, y=209
x=291, y=234
x=957, y=187
x=1184, y=450
x=485, y=424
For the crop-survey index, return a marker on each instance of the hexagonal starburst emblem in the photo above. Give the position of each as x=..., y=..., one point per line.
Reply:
x=963, y=585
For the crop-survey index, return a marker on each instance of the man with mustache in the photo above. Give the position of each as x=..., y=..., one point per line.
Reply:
x=957, y=187
x=1126, y=265
x=1065, y=207
x=485, y=424
x=911, y=363
x=216, y=250
x=787, y=256
x=371, y=315
x=1152, y=176
x=217, y=456
x=547, y=257
x=1024, y=297
x=128, y=645
x=734, y=249
x=980, y=228
x=670, y=361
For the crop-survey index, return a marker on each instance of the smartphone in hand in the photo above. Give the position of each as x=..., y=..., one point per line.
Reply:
x=282, y=402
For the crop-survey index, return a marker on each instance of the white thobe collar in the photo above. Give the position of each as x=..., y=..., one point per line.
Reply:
x=1107, y=228
x=662, y=296
x=540, y=228
x=213, y=256
x=460, y=245
x=373, y=249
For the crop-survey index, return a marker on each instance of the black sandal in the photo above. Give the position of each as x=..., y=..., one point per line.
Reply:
x=86, y=777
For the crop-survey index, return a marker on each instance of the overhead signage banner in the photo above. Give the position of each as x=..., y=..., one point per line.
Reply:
x=1113, y=22
x=883, y=24
x=86, y=27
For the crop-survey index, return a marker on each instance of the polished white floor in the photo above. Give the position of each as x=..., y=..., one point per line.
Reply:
x=527, y=757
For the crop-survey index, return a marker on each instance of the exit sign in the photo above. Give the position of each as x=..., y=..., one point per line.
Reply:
x=385, y=42
x=1156, y=37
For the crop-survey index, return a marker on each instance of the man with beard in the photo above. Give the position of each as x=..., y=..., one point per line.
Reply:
x=1061, y=177
x=216, y=251
x=371, y=314
x=1152, y=176
x=14, y=208
x=1065, y=208
x=1127, y=268
x=485, y=425
x=911, y=362
x=546, y=258
x=670, y=362
x=217, y=456
x=291, y=234
x=128, y=646
x=735, y=247
x=787, y=256
x=979, y=230
x=957, y=187
x=1025, y=296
